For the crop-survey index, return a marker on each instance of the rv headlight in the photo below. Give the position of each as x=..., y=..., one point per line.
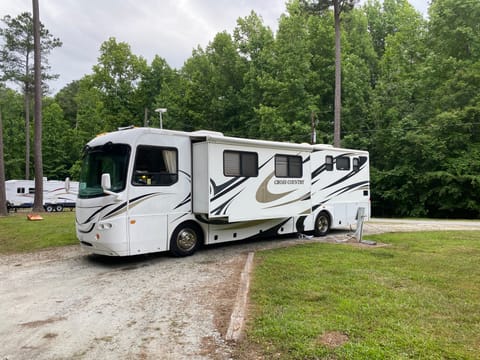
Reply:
x=104, y=226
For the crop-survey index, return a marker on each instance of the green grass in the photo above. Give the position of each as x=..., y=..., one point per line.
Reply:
x=418, y=298
x=17, y=234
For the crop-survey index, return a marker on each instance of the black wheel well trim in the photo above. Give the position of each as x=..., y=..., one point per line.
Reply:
x=193, y=224
x=330, y=217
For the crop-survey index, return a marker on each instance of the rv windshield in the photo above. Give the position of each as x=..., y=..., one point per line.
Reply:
x=109, y=158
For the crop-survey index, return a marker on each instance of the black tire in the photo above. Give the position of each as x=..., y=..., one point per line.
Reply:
x=322, y=224
x=58, y=208
x=186, y=239
x=49, y=208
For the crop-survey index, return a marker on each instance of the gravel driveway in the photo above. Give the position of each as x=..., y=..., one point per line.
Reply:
x=64, y=304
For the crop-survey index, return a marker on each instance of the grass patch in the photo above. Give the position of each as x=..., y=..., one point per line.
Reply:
x=17, y=234
x=417, y=298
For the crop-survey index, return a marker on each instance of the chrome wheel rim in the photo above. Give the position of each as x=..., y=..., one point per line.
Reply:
x=186, y=239
x=322, y=224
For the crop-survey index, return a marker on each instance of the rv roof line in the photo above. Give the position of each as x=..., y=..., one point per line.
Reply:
x=126, y=127
x=206, y=132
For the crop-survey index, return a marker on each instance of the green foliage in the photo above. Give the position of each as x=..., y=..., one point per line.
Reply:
x=154, y=82
x=11, y=106
x=417, y=297
x=66, y=99
x=115, y=77
x=454, y=28
x=56, y=142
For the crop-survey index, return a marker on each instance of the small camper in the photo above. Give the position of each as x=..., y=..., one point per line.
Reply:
x=146, y=190
x=21, y=193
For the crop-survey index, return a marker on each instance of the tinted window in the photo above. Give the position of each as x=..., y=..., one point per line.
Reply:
x=355, y=164
x=238, y=163
x=329, y=163
x=155, y=166
x=288, y=166
x=108, y=158
x=343, y=163
x=231, y=163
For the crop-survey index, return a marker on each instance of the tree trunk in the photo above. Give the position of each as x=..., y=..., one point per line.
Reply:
x=3, y=197
x=38, y=202
x=27, y=132
x=338, y=77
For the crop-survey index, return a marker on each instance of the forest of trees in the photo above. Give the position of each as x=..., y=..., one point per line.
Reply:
x=410, y=96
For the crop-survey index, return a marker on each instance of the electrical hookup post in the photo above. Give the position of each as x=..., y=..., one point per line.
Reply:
x=359, y=231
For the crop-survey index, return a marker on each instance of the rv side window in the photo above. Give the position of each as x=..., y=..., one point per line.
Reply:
x=355, y=164
x=343, y=163
x=329, y=163
x=239, y=163
x=288, y=166
x=31, y=190
x=362, y=160
x=155, y=166
x=20, y=190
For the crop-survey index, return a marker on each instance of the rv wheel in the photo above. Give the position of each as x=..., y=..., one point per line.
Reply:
x=58, y=208
x=185, y=239
x=48, y=208
x=322, y=224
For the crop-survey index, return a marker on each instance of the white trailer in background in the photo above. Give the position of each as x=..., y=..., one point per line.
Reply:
x=21, y=194
x=147, y=190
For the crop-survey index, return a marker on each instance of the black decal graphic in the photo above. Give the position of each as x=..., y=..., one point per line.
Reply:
x=219, y=209
x=346, y=188
x=87, y=231
x=184, y=201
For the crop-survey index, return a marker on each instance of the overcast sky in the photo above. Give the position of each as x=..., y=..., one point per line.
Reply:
x=168, y=28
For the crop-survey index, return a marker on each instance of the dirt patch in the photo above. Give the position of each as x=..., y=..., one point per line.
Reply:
x=332, y=339
x=38, y=323
x=226, y=296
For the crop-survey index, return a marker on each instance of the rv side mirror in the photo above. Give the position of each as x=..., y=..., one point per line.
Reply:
x=106, y=182
x=67, y=184
x=107, y=185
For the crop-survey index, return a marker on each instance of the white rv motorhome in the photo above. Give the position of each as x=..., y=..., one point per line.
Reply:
x=21, y=193
x=148, y=190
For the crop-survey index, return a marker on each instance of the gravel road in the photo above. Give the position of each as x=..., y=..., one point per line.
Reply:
x=64, y=304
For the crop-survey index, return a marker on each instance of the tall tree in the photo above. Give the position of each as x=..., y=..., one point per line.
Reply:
x=153, y=80
x=57, y=141
x=16, y=62
x=339, y=6
x=285, y=110
x=38, y=160
x=359, y=65
x=66, y=99
x=255, y=43
x=11, y=103
x=3, y=198
x=214, y=79
x=117, y=76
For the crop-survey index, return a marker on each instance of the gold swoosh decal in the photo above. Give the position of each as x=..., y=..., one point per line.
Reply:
x=132, y=205
x=265, y=196
x=301, y=198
